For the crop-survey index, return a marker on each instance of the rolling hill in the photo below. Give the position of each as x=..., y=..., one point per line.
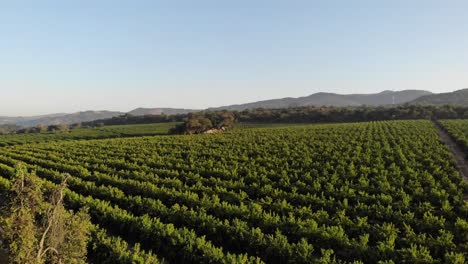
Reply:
x=332, y=99
x=459, y=97
x=85, y=116
x=159, y=111
x=67, y=118
x=25, y=119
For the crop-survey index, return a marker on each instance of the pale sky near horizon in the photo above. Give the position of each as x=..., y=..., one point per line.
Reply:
x=68, y=56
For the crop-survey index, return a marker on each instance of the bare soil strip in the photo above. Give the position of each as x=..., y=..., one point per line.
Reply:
x=458, y=153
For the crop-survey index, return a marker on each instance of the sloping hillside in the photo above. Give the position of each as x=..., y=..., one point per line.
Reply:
x=69, y=118
x=85, y=116
x=159, y=111
x=389, y=97
x=459, y=97
x=332, y=99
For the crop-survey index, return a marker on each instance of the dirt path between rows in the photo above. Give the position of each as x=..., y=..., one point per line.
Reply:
x=458, y=153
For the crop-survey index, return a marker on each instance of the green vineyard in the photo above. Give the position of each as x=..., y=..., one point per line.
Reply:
x=88, y=133
x=385, y=191
x=458, y=129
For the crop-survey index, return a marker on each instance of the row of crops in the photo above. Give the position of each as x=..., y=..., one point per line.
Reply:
x=458, y=129
x=88, y=133
x=363, y=192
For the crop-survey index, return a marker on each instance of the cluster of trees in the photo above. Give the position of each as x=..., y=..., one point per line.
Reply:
x=7, y=129
x=313, y=114
x=307, y=114
x=381, y=191
x=129, y=119
x=40, y=230
x=203, y=122
x=58, y=128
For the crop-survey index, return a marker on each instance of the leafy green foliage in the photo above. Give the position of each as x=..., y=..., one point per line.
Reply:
x=108, y=249
x=458, y=129
x=316, y=114
x=197, y=123
x=18, y=224
x=377, y=192
x=82, y=133
x=39, y=231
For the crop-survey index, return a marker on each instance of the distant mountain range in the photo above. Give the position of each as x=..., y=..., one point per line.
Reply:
x=59, y=118
x=86, y=116
x=26, y=119
x=384, y=98
x=159, y=111
x=332, y=99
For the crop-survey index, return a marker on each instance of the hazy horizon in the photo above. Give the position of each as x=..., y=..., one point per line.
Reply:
x=130, y=109
x=64, y=57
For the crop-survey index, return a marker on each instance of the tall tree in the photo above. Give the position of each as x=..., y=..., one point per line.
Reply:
x=37, y=230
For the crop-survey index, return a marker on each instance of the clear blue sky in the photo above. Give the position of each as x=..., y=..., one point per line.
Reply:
x=66, y=56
